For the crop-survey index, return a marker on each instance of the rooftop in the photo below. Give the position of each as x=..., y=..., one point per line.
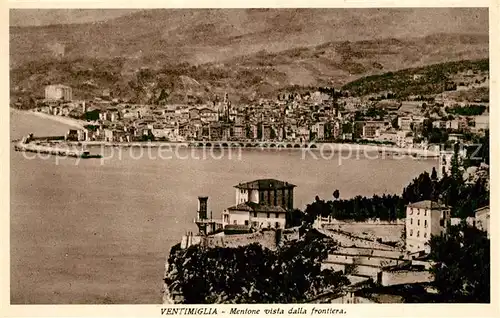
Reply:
x=255, y=207
x=428, y=205
x=483, y=210
x=58, y=86
x=265, y=184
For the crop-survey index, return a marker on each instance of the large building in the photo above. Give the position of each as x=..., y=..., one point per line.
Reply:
x=260, y=203
x=255, y=215
x=369, y=128
x=266, y=191
x=58, y=92
x=423, y=219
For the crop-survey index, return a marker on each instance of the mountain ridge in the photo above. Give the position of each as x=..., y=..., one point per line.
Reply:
x=248, y=53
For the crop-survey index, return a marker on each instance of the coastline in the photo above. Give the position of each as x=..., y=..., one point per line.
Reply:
x=271, y=145
x=60, y=119
x=327, y=147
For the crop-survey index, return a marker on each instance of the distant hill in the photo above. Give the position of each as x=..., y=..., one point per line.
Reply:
x=431, y=79
x=194, y=54
x=213, y=35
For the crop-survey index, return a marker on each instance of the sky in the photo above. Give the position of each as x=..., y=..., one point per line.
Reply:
x=37, y=17
x=415, y=21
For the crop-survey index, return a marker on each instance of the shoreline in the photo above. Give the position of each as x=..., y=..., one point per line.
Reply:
x=60, y=119
x=326, y=147
x=270, y=145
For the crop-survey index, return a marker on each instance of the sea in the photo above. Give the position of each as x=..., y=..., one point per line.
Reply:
x=98, y=231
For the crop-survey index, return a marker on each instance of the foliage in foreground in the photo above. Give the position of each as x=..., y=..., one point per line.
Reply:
x=252, y=274
x=462, y=270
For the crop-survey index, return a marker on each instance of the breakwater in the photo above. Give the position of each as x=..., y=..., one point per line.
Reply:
x=54, y=150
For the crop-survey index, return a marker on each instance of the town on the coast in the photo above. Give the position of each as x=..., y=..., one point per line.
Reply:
x=428, y=242
x=292, y=118
x=373, y=259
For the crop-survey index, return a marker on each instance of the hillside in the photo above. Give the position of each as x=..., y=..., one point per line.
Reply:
x=192, y=55
x=213, y=35
x=432, y=79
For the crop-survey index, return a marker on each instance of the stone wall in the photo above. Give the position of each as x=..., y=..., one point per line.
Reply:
x=405, y=277
x=367, y=271
x=266, y=239
x=386, y=231
x=426, y=264
x=346, y=240
x=363, y=270
x=333, y=266
x=369, y=252
x=362, y=260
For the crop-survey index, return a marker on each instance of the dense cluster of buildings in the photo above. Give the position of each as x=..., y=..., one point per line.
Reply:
x=314, y=116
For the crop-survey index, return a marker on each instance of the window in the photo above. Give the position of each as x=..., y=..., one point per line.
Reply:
x=425, y=223
x=255, y=214
x=425, y=212
x=246, y=222
x=411, y=221
x=418, y=222
x=277, y=215
x=268, y=224
x=425, y=234
x=441, y=222
x=411, y=232
x=418, y=211
x=268, y=215
x=418, y=233
x=277, y=225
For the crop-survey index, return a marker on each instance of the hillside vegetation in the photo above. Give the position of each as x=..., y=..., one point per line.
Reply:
x=194, y=54
x=432, y=79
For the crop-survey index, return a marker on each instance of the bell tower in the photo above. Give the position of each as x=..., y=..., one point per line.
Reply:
x=202, y=220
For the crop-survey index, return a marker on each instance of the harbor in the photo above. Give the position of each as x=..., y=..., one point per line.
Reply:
x=52, y=146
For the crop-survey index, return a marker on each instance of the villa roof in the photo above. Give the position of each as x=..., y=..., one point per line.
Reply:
x=428, y=205
x=265, y=184
x=255, y=207
x=483, y=210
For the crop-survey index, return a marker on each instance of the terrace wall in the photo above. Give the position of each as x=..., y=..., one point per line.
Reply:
x=405, y=277
x=369, y=252
x=347, y=240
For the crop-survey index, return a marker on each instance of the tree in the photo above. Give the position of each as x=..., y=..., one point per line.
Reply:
x=336, y=194
x=394, y=123
x=462, y=268
x=434, y=174
x=253, y=274
x=455, y=164
x=294, y=218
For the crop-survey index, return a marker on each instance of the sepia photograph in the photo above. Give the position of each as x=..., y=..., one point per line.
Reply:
x=249, y=156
